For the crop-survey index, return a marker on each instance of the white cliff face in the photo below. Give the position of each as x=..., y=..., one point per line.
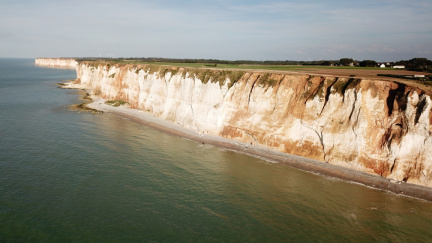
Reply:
x=368, y=125
x=181, y=99
x=69, y=63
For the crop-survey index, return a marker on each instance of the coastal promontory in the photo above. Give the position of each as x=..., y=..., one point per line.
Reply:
x=382, y=127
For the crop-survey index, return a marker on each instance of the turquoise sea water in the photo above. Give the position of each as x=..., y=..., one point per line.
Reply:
x=77, y=176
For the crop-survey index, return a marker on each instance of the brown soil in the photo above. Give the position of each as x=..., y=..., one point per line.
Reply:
x=362, y=73
x=372, y=74
x=359, y=73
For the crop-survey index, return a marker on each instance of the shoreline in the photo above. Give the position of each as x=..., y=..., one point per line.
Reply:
x=305, y=164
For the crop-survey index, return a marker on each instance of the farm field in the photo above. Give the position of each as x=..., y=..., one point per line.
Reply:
x=364, y=72
x=339, y=71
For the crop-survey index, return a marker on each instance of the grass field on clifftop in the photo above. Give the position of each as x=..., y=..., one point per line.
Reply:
x=242, y=66
x=254, y=67
x=375, y=73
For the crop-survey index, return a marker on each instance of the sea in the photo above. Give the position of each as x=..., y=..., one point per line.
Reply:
x=75, y=176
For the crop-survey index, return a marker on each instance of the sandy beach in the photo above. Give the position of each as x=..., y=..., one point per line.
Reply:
x=305, y=164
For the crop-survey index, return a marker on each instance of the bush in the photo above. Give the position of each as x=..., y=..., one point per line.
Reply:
x=368, y=63
x=116, y=103
x=346, y=61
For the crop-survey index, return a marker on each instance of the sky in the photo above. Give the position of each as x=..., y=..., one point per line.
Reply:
x=380, y=30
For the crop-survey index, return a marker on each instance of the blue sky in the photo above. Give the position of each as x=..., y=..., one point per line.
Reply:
x=381, y=30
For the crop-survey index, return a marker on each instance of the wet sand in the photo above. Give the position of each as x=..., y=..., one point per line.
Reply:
x=309, y=165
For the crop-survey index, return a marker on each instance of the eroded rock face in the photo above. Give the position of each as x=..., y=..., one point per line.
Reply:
x=379, y=127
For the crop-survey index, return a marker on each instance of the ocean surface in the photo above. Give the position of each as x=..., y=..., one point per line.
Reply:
x=77, y=176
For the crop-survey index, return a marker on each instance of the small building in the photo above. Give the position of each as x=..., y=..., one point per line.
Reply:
x=382, y=65
x=419, y=76
x=399, y=66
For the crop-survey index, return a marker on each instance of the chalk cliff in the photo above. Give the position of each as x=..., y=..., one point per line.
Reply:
x=70, y=63
x=380, y=127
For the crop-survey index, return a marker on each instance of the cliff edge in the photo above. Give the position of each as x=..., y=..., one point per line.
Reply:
x=374, y=126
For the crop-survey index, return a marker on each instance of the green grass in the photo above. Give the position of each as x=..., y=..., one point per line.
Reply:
x=259, y=67
x=293, y=67
x=267, y=81
x=234, y=66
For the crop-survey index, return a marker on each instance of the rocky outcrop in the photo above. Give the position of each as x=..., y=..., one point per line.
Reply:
x=380, y=127
x=69, y=63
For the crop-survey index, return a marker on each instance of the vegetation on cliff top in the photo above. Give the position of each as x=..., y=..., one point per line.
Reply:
x=415, y=64
x=253, y=65
x=116, y=103
x=217, y=71
x=205, y=75
x=214, y=76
